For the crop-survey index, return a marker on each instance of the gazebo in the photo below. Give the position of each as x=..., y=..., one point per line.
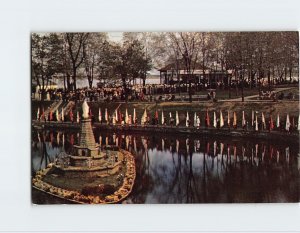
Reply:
x=176, y=72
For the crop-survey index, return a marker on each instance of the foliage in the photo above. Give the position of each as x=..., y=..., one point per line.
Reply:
x=131, y=63
x=251, y=56
x=45, y=58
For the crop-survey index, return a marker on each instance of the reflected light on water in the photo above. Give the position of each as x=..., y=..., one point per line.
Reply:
x=181, y=169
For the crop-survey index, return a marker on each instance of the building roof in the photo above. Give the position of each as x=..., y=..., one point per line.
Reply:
x=153, y=72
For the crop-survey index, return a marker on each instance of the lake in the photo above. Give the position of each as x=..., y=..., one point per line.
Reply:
x=189, y=169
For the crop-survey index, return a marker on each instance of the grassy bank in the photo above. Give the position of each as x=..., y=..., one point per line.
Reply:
x=268, y=108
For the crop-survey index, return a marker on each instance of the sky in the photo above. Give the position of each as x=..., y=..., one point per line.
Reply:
x=115, y=36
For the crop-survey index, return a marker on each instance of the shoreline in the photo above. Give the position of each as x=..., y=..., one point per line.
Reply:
x=291, y=137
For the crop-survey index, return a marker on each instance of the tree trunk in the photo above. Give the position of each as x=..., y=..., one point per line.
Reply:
x=144, y=82
x=258, y=80
x=42, y=95
x=285, y=71
x=242, y=87
x=291, y=72
x=236, y=85
x=190, y=90
x=90, y=80
x=43, y=89
x=178, y=79
x=269, y=79
x=64, y=82
x=68, y=81
x=250, y=78
x=273, y=76
x=74, y=78
x=125, y=88
x=229, y=87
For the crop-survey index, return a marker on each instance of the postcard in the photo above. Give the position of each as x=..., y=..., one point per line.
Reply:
x=165, y=117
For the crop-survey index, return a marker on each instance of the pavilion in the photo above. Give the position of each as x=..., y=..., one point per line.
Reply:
x=202, y=75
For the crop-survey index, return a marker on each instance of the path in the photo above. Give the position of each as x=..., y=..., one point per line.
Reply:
x=55, y=105
x=253, y=98
x=59, y=105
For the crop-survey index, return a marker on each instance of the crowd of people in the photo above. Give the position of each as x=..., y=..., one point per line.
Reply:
x=147, y=93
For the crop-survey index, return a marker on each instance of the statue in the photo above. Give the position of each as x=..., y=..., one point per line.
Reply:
x=85, y=110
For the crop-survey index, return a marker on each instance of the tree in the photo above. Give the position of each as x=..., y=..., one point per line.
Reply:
x=75, y=43
x=93, y=51
x=264, y=55
x=238, y=56
x=131, y=63
x=107, y=62
x=144, y=38
x=45, y=59
x=160, y=48
x=291, y=58
x=215, y=57
x=208, y=51
x=188, y=44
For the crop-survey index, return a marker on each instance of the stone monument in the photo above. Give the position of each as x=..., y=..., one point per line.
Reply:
x=87, y=144
x=87, y=153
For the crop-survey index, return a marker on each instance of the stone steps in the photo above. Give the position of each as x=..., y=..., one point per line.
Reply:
x=53, y=107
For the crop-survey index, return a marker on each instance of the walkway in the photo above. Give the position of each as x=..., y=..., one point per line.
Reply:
x=55, y=105
x=254, y=98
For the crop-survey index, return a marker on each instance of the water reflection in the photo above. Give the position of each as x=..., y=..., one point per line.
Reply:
x=179, y=169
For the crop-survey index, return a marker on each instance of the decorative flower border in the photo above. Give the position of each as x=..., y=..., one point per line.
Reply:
x=77, y=197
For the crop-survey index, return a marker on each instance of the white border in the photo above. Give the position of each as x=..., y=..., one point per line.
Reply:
x=19, y=18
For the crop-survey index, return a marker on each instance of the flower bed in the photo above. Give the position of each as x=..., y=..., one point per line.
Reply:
x=77, y=197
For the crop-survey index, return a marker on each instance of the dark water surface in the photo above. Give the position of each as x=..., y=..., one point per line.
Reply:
x=190, y=169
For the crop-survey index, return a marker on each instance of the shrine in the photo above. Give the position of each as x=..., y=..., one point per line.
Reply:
x=89, y=174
